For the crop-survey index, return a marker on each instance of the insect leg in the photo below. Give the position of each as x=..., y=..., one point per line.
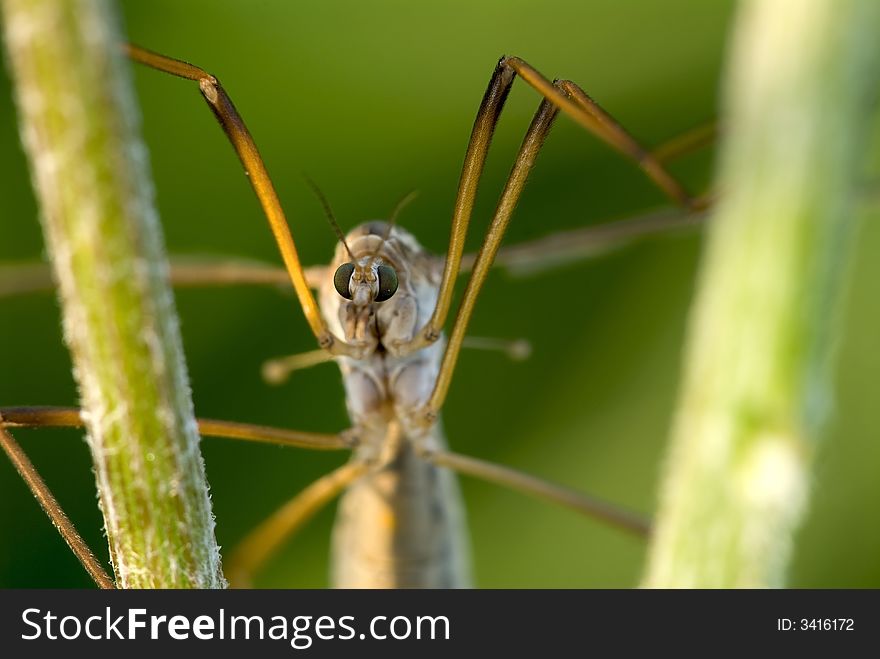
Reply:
x=278, y=369
x=686, y=142
x=243, y=143
x=474, y=159
x=525, y=160
x=537, y=487
x=50, y=505
x=562, y=247
x=527, y=257
x=572, y=100
x=66, y=417
x=26, y=278
x=516, y=350
x=262, y=543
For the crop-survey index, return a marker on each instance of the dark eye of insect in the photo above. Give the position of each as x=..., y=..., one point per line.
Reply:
x=343, y=277
x=387, y=282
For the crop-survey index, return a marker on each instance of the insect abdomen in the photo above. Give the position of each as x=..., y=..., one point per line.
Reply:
x=401, y=527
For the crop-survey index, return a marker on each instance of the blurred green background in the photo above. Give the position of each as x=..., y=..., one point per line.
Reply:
x=373, y=100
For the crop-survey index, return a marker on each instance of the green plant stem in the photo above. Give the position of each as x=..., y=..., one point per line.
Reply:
x=757, y=384
x=80, y=128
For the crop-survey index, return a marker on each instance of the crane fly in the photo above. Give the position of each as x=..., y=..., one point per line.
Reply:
x=380, y=313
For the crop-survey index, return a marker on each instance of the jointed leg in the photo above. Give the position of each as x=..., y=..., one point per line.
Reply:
x=687, y=142
x=67, y=417
x=258, y=546
x=572, y=100
x=50, y=505
x=516, y=350
x=525, y=257
x=239, y=135
x=613, y=133
x=562, y=247
x=525, y=160
x=517, y=480
x=25, y=278
x=565, y=96
x=261, y=543
x=474, y=160
x=277, y=370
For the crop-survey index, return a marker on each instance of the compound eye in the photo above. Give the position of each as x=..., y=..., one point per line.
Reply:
x=342, y=278
x=387, y=282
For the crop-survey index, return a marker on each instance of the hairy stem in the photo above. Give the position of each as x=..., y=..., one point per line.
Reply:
x=80, y=128
x=757, y=385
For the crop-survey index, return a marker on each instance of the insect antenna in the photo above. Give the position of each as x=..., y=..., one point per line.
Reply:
x=408, y=198
x=331, y=218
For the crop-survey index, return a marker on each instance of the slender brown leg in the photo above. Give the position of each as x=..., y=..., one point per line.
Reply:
x=565, y=96
x=243, y=143
x=474, y=160
x=522, y=258
x=533, y=486
x=278, y=369
x=525, y=160
x=262, y=543
x=26, y=278
x=572, y=100
x=69, y=417
x=50, y=505
x=561, y=247
x=516, y=350
x=687, y=142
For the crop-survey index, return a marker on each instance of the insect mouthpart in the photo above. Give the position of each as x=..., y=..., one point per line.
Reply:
x=376, y=283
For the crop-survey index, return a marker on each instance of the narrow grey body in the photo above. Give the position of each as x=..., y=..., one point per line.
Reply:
x=401, y=527
x=402, y=524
